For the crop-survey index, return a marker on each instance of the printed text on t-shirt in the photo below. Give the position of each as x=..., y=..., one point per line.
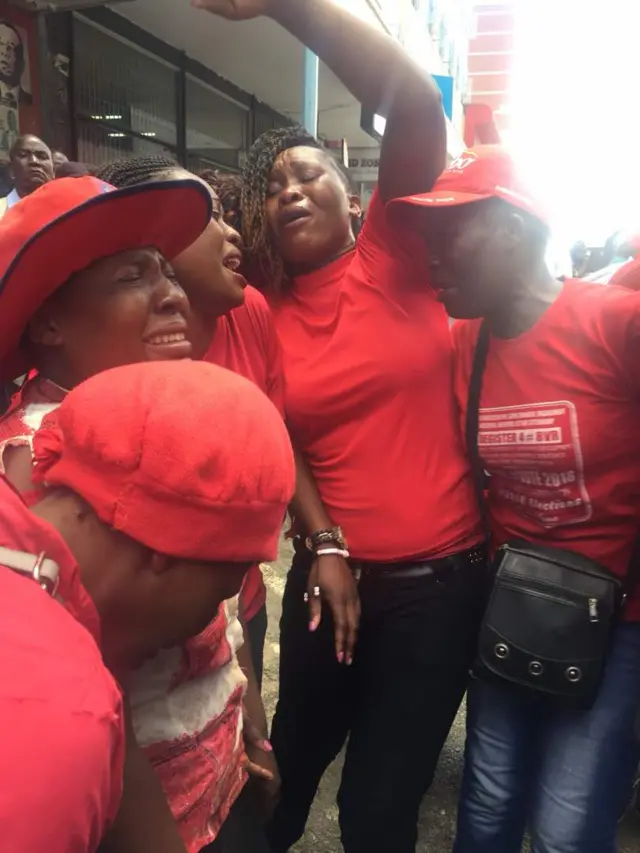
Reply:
x=534, y=457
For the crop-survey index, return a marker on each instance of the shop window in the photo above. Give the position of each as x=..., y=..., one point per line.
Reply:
x=98, y=144
x=264, y=119
x=120, y=89
x=217, y=127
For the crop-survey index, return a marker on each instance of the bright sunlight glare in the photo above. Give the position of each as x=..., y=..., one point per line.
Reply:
x=575, y=123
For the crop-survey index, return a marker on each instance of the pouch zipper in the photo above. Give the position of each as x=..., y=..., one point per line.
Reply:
x=592, y=603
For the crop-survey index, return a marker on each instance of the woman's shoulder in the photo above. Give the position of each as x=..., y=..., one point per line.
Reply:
x=253, y=313
x=600, y=313
x=392, y=241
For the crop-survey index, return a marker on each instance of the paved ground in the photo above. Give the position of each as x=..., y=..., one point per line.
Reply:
x=439, y=808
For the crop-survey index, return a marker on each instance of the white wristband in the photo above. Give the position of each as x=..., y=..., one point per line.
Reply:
x=336, y=552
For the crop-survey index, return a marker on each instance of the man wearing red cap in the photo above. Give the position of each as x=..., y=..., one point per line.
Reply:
x=556, y=429
x=130, y=552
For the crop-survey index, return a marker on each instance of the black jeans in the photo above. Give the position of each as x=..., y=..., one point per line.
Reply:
x=243, y=830
x=257, y=630
x=396, y=703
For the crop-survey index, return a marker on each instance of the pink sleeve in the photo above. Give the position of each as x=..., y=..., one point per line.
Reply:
x=65, y=777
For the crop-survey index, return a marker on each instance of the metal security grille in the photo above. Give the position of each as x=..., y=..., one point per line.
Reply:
x=125, y=99
x=216, y=127
x=98, y=145
x=264, y=119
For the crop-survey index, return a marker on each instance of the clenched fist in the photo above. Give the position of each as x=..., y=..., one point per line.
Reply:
x=235, y=10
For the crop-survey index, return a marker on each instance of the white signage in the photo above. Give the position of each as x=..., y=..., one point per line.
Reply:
x=364, y=164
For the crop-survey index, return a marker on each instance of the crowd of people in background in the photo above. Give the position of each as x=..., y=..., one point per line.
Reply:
x=186, y=358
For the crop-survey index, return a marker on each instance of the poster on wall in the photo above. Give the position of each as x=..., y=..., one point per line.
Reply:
x=15, y=82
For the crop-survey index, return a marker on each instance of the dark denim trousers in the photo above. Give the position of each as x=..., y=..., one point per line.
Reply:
x=395, y=703
x=562, y=774
x=257, y=630
x=243, y=830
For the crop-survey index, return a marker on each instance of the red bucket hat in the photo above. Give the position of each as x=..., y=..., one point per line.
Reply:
x=185, y=457
x=476, y=176
x=68, y=224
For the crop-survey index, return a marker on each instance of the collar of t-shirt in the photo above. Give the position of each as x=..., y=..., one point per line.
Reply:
x=314, y=286
x=21, y=530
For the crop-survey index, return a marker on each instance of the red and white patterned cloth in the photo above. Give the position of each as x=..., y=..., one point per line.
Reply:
x=187, y=702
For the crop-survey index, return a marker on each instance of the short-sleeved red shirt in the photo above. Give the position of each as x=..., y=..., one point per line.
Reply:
x=628, y=275
x=558, y=428
x=61, y=726
x=369, y=398
x=245, y=341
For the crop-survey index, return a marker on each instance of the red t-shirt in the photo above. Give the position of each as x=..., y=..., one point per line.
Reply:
x=369, y=398
x=628, y=275
x=245, y=342
x=61, y=726
x=558, y=430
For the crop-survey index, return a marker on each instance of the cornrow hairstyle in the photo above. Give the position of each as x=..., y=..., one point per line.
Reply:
x=255, y=178
x=228, y=188
x=138, y=170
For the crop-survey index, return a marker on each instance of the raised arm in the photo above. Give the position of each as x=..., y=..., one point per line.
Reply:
x=378, y=72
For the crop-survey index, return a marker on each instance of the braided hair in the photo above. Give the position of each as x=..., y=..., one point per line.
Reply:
x=228, y=187
x=139, y=170
x=255, y=176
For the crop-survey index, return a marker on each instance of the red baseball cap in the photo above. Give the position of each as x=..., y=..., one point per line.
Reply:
x=185, y=457
x=487, y=172
x=68, y=224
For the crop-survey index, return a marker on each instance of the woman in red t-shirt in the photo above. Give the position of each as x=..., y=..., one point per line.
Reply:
x=558, y=436
x=230, y=325
x=370, y=405
x=187, y=704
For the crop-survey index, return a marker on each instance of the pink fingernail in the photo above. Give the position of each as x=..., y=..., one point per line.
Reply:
x=266, y=746
x=312, y=626
x=341, y=657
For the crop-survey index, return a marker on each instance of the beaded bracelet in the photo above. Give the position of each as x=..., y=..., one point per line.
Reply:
x=336, y=552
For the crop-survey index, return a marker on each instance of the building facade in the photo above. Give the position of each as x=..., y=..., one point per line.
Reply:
x=436, y=33
x=127, y=93
x=158, y=77
x=491, y=54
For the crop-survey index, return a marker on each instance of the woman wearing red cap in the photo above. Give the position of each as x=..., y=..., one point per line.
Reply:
x=549, y=389
x=242, y=339
x=131, y=554
x=107, y=298
x=369, y=401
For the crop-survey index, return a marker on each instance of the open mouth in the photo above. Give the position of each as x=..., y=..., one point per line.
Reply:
x=293, y=217
x=168, y=343
x=233, y=263
x=163, y=340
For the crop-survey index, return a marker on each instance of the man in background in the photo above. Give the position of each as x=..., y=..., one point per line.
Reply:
x=31, y=166
x=59, y=157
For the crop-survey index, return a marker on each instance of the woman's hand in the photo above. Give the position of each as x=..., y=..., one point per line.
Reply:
x=261, y=765
x=235, y=10
x=332, y=579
